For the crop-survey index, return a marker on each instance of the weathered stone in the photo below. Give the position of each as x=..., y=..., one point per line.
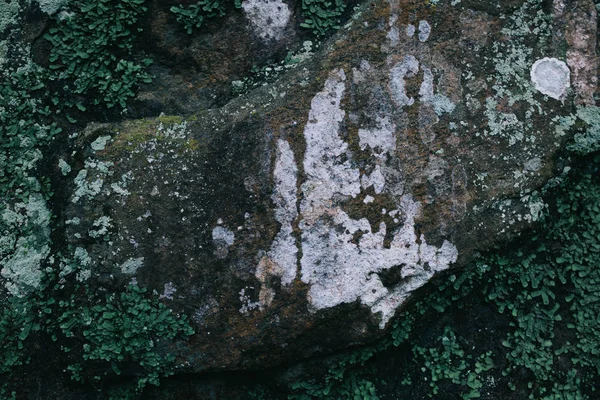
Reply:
x=276, y=220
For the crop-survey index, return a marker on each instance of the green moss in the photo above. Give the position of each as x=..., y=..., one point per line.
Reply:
x=169, y=119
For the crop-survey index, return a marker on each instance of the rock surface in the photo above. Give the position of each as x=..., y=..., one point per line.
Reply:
x=297, y=219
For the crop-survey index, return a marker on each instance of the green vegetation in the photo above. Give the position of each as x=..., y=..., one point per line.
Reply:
x=194, y=15
x=111, y=332
x=453, y=363
x=92, y=52
x=322, y=15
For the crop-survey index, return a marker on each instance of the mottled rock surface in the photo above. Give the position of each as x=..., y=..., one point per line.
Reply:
x=295, y=220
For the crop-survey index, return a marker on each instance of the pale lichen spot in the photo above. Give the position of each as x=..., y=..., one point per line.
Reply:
x=407, y=68
x=131, y=265
x=269, y=18
x=424, y=31
x=551, y=77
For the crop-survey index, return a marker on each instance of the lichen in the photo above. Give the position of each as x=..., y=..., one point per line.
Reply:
x=338, y=267
x=131, y=265
x=8, y=13
x=587, y=141
x=551, y=77
x=407, y=68
x=64, y=167
x=424, y=31
x=100, y=143
x=268, y=18
x=23, y=255
x=281, y=258
x=50, y=7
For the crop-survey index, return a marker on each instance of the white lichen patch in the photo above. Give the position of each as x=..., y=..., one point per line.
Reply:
x=381, y=139
x=131, y=265
x=8, y=13
x=22, y=257
x=102, y=225
x=50, y=7
x=64, y=167
x=340, y=267
x=393, y=34
x=222, y=235
x=281, y=260
x=410, y=30
x=440, y=103
x=424, y=31
x=375, y=179
x=269, y=18
x=551, y=77
x=168, y=291
x=407, y=68
x=84, y=188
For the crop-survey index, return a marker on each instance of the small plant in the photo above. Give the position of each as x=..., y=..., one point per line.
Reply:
x=92, y=52
x=322, y=15
x=194, y=15
x=122, y=330
x=454, y=364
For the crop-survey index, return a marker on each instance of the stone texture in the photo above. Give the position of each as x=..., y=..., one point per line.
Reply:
x=295, y=220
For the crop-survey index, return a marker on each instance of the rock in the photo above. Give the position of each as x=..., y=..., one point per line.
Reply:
x=298, y=219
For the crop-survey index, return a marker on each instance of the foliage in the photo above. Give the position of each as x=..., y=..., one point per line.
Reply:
x=92, y=52
x=122, y=330
x=322, y=15
x=454, y=364
x=102, y=334
x=193, y=16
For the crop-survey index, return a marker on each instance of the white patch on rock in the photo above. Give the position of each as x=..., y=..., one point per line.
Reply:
x=50, y=7
x=220, y=233
x=424, y=30
x=269, y=18
x=100, y=143
x=131, y=265
x=24, y=256
x=440, y=103
x=282, y=258
x=375, y=179
x=551, y=77
x=406, y=68
x=393, y=34
x=368, y=199
x=382, y=137
x=410, y=30
x=339, y=267
x=168, y=291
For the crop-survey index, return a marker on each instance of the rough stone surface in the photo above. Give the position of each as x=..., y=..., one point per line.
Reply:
x=296, y=220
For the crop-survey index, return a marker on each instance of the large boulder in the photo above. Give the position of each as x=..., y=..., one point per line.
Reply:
x=297, y=219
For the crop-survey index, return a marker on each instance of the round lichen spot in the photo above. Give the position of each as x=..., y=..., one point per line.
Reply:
x=551, y=77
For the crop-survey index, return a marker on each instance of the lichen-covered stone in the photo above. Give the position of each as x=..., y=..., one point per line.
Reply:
x=298, y=219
